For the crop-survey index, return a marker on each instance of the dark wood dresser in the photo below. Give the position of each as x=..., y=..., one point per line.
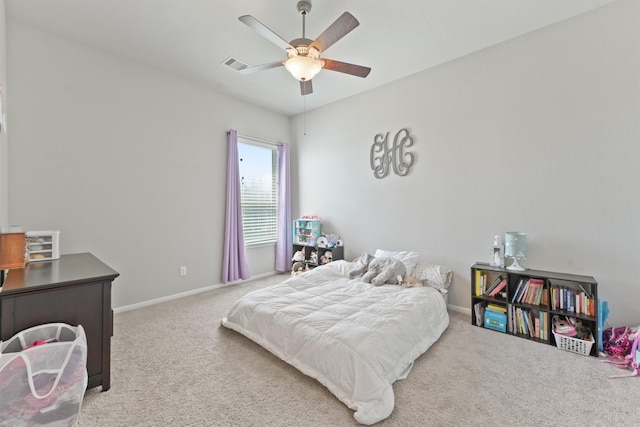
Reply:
x=75, y=289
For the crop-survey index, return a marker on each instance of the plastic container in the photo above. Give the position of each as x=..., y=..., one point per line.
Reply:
x=495, y=320
x=43, y=245
x=43, y=376
x=573, y=345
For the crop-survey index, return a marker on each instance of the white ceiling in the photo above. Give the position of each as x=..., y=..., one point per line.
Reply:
x=191, y=38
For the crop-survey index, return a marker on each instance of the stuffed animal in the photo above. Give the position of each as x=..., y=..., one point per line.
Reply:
x=360, y=265
x=385, y=270
x=298, y=268
x=411, y=281
x=298, y=256
x=313, y=258
x=332, y=240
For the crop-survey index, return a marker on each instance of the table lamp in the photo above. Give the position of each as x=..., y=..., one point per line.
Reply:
x=515, y=247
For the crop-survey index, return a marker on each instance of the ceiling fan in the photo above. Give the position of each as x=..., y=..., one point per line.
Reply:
x=303, y=55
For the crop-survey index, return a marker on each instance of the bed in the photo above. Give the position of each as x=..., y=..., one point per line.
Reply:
x=354, y=338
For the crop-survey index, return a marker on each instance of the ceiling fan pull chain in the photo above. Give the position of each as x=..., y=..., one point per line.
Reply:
x=304, y=115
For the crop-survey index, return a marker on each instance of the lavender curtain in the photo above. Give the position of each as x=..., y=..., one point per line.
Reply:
x=283, y=244
x=234, y=264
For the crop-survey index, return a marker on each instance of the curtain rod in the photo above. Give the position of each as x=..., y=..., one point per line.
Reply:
x=262, y=141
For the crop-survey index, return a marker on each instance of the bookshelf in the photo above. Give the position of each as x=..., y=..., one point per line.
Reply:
x=525, y=303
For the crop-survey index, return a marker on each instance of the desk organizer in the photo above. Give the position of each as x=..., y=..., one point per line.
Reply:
x=43, y=245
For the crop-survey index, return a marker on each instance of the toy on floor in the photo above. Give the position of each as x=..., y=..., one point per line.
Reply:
x=623, y=344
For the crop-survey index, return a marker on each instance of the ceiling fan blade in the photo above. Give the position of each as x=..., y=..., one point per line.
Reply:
x=306, y=87
x=256, y=68
x=340, y=28
x=265, y=32
x=345, y=67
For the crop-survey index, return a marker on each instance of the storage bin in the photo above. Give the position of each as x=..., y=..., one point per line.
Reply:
x=43, y=245
x=572, y=344
x=495, y=320
x=43, y=376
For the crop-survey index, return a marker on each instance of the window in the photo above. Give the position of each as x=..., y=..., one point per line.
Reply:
x=258, y=164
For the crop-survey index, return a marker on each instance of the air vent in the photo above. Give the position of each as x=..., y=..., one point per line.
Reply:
x=234, y=63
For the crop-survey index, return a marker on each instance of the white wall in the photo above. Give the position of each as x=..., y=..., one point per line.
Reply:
x=129, y=163
x=540, y=134
x=4, y=147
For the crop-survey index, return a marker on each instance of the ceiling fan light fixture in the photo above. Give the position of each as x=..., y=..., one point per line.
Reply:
x=302, y=67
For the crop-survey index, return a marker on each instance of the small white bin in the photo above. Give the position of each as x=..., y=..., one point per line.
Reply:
x=43, y=245
x=43, y=376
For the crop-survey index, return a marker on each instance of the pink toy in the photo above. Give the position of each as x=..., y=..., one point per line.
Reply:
x=621, y=357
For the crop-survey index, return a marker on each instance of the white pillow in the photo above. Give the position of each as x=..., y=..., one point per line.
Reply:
x=433, y=275
x=409, y=259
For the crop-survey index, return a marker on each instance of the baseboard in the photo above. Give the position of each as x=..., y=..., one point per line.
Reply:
x=122, y=309
x=459, y=309
x=188, y=293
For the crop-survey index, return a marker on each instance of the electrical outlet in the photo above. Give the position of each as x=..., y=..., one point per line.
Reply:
x=183, y=270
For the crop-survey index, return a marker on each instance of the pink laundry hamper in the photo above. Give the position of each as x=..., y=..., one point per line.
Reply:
x=43, y=376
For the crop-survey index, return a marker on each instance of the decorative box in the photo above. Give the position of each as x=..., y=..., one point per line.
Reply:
x=495, y=320
x=12, y=251
x=43, y=245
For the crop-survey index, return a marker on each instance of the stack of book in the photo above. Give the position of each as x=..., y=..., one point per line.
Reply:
x=483, y=287
x=573, y=300
x=530, y=291
x=529, y=323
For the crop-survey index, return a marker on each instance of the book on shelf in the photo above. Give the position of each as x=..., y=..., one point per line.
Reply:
x=530, y=291
x=496, y=307
x=500, y=287
x=530, y=324
x=479, y=308
x=494, y=285
x=544, y=325
x=534, y=285
x=572, y=300
x=479, y=280
x=517, y=291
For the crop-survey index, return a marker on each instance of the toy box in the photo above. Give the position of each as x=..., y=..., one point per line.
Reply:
x=495, y=320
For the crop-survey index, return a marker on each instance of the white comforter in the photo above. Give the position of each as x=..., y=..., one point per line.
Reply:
x=354, y=338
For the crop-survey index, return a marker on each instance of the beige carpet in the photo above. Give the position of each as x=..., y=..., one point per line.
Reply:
x=174, y=365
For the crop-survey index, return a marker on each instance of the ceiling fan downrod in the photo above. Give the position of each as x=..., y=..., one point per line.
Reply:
x=304, y=7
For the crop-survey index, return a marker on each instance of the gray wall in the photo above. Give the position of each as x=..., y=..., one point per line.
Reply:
x=127, y=162
x=540, y=134
x=4, y=147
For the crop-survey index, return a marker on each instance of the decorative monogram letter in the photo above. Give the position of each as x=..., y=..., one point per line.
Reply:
x=382, y=157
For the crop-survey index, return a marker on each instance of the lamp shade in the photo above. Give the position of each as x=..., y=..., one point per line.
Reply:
x=303, y=67
x=515, y=247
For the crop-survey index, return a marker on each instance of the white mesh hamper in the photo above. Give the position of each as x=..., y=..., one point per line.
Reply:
x=43, y=376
